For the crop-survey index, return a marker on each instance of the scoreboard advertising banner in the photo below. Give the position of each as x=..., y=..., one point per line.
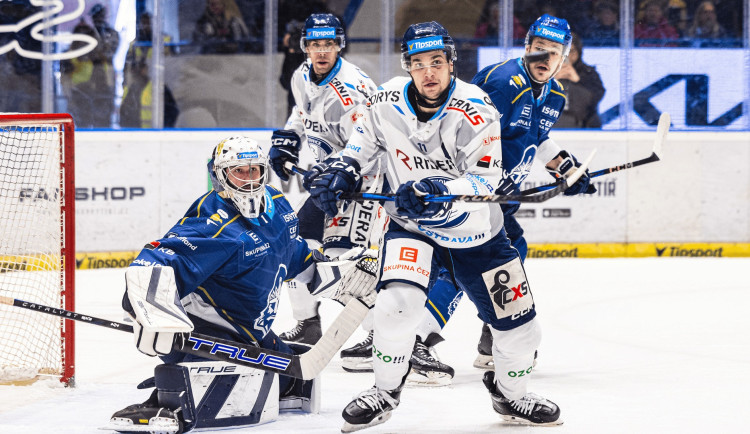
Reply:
x=699, y=88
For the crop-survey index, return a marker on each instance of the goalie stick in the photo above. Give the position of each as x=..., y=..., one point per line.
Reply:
x=661, y=134
x=305, y=366
x=548, y=193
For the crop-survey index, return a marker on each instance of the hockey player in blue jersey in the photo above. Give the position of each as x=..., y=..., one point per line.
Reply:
x=218, y=271
x=530, y=99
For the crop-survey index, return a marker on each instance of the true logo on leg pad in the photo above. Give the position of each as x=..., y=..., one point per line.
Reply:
x=509, y=290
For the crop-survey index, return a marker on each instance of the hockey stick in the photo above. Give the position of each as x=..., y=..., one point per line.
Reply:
x=661, y=135
x=548, y=193
x=305, y=366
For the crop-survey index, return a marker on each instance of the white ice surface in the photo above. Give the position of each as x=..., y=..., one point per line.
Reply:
x=656, y=345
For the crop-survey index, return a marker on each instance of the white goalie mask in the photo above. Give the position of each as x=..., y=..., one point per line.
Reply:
x=239, y=171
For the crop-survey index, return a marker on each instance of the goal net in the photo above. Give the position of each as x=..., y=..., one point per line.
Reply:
x=37, y=245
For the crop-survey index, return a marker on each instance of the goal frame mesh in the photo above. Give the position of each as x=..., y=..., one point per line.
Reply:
x=67, y=263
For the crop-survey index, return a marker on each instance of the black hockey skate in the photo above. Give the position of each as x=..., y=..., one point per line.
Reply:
x=426, y=369
x=530, y=410
x=484, y=359
x=371, y=407
x=484, y=348
x=146, y=417
x=306, y=332
x=359, y=357
x=301, y=395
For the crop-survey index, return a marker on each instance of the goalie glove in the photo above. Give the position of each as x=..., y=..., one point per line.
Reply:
x=152, y=301
x=354, y=274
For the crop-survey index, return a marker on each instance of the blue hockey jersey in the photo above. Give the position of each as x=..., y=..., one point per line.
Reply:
x=525, y=121
x=229, y=269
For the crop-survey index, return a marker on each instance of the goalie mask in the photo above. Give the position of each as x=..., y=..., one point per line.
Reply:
x=239, y=172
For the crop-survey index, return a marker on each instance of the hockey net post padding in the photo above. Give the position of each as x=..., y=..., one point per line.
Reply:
x=37, y=245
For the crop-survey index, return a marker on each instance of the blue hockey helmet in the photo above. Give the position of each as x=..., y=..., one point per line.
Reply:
x=553, y=29
x=322, y=26
x=422, y=37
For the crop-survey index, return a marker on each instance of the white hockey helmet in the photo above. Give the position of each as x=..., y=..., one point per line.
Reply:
x=239, y=172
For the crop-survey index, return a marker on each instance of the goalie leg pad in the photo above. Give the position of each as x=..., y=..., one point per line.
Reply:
x=218, y=394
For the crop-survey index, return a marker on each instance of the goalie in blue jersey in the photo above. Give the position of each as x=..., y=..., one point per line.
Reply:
x=218, y=271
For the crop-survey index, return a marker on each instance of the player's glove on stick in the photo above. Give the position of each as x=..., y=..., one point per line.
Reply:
x=285, y=147
x=567, y=166
x=341, y=176
x=151, y=299
x=410, y=197
x=506, y=188
x=313, y=173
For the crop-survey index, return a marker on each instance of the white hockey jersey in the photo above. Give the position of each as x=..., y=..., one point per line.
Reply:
x=459, y=146
x=323, y=112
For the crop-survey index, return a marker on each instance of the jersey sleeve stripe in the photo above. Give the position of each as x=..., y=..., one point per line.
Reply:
x=561, y=94
x=492, y=70
x=225, y=225
x=199, y=207
x=519, y=95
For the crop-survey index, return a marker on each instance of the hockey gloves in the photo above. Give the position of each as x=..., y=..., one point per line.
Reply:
x=341, y=176
x=151, y=299
x=566, y=167
x=311, y=174
x=285, y=147
x=508, y=187
x=410, y=199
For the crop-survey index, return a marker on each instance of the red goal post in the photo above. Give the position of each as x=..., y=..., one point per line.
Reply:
x=37, y=245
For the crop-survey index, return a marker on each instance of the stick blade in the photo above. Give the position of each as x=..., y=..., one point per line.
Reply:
x=572, y=179
x=665, y=120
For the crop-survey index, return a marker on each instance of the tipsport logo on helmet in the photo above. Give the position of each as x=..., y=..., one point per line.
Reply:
x=321, y=33
x=246, y=155
x=425, y=44
x=551, y=34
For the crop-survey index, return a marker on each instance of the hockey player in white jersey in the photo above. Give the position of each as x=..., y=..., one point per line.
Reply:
x=326, y=90
x=438, y=135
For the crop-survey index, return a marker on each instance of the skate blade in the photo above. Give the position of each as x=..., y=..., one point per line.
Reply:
x=521, y=421
x=155, y=426
x=431, y=379
x=377, y=421
x=350, y=364
x=484, y=362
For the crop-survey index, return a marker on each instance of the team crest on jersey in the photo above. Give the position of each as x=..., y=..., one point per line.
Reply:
x=517, y=81
x=523, y=168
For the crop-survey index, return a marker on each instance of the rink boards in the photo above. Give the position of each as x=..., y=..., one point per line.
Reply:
x=132, y=186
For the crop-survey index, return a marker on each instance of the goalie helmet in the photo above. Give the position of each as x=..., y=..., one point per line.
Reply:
x=322, y=26
x=553, y=29
x=239, y=171
x=422, y=37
